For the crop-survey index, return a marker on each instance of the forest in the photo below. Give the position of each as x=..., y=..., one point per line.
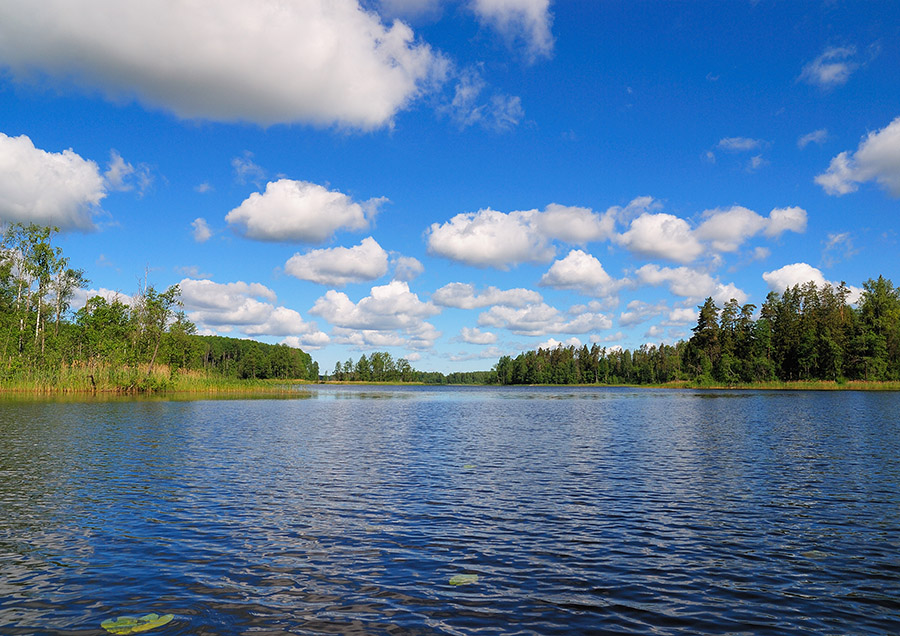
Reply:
x=806, y=333
x=132, y=343
x=145, y=342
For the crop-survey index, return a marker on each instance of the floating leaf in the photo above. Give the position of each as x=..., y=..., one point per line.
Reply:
x=814, y=554
x=464, y=579
x=135, y=624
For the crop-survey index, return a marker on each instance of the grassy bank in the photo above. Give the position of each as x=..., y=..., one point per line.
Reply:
x=132, y=380
x=799, y=385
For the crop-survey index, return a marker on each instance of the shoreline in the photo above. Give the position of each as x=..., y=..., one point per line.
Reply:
x=228, y=386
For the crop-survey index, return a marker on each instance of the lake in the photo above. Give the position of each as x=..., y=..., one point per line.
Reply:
x=348, y=510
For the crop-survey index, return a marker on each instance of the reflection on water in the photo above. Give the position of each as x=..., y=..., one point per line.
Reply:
x=580, y=511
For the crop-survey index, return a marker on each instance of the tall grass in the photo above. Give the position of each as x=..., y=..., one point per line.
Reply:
x=140, y=379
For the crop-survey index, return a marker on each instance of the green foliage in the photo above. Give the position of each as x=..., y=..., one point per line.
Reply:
x=144, y=345
x=807, y=333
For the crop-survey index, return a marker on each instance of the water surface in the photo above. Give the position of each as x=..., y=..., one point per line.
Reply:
x=348, y=510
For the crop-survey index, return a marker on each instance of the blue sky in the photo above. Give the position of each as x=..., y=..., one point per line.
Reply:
x=455, y=181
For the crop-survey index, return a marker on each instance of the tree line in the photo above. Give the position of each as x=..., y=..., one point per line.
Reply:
x=808, y=332
x=380, y=366
x=131, y=338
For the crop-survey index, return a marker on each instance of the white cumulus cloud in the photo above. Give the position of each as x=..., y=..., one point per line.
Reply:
x=266, y=61
x=638, y=311
x=792, y=219
x=248, y=307
x=727, y=229
x=576, y=225
x=48, y=188
x=202, y=231
x=391, y=315
x=465, y=296
x=474, y=335
x=488, y=238
x=876, y=159
x=579, y=271
x=661, y=236
x=299, y=211
x=407, y=268
x=542, y=319
x=553, y=343
x=689, y=283
x=340, y=265
x=800, y=274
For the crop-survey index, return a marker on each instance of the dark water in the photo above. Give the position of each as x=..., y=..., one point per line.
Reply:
x=581, y=512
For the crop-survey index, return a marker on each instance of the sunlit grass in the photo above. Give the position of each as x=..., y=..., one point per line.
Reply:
x=140, y=379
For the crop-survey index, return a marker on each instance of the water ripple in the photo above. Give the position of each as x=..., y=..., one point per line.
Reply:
x=580, y=511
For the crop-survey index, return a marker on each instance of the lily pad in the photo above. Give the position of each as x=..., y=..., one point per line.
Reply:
x=464, y=579
x=135, y=624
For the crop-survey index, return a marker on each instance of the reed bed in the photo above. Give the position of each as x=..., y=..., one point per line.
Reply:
x=140, y=379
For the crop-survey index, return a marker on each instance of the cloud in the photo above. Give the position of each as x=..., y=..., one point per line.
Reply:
x=499, y=112
x=81, y=296
x=464, y=296
x=815, y=137
x=124, y=177
x=740, y=144
x=727, y=229
x=476, y=336
x=491, y=353
x=635, y=208
x=391, y=316
x=661, y=236
x=488, y=238
x=246, y=170
x=792, y=219
x=793, y=274
x=410, y=9
x=581, y=272
x=876, y=159
x=299, y=211
x=527, y=21
x=838, y=247
x=832, y=68
x=202, y=232
x=248, y=307
x=406, y=268
x=638, y=311
x=800, y=274
x=576, y=225
x=315, y=340
x=265, y=62
x=340, y=265
x=682, y=316
x=541, y=319
x=553, y=343
x=48, y=188
x=756, y=162
x=689, y=283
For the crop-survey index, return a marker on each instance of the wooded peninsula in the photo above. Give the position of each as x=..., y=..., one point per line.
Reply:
x=145, y=342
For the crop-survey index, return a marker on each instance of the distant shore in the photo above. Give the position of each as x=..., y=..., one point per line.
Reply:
x=163, y=382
